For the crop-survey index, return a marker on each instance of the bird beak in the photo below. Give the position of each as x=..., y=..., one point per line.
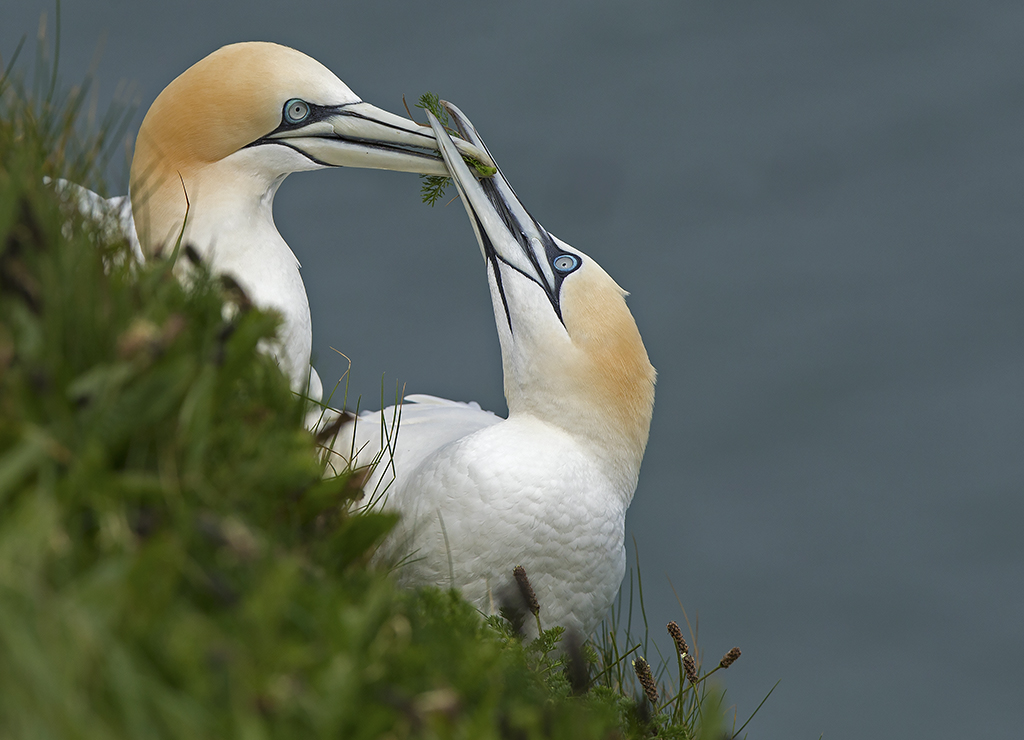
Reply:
x=362, y=135
x=505, y=230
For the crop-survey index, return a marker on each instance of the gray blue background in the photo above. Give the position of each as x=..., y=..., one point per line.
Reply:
x=818, y=210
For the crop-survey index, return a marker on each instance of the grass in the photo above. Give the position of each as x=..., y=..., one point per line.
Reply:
x=672, y=699
x=432, y=187
x=173, y=562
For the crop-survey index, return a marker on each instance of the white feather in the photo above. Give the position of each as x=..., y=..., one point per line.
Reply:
x=479, y=495
x=114, y=213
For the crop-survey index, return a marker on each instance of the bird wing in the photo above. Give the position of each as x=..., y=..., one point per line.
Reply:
x=394, y=441
x=114, y=212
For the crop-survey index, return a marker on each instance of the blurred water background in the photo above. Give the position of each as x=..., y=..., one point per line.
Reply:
x=817, y=208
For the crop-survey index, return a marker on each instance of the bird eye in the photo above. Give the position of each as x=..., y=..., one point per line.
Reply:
x=296, y=111
x=566, y=262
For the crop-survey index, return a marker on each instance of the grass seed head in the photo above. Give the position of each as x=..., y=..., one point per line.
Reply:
x=690, y=668
x=529, y=597
x=730, y=657
x=677, y=637
x=643, y=672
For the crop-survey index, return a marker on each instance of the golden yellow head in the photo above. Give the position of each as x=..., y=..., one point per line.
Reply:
x=226, y=101
x=234, y=124
x=216, y=107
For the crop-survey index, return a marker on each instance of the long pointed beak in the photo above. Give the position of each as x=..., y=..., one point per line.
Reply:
x=362, y=135
x=505, y=230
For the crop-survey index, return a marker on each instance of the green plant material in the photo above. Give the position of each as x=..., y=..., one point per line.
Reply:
x=694, y=710
x=173, y=564
x=432, y=102
x=432, y=187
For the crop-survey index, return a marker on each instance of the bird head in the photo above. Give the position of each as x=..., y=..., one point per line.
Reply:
x=234, y=124
x=571, y=351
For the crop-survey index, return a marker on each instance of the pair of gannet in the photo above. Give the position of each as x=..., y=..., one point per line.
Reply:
x=548, y=487
x=219, y=141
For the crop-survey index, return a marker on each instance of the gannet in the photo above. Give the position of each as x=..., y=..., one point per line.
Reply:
x=548, y=487
x=219, y=141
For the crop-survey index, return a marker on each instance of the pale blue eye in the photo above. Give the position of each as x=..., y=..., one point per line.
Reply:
x=566, y=262
x=296, y=111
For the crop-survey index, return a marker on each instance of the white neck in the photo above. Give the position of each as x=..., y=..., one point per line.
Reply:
x=589, y=376
x=230, y=224
x=614, y=451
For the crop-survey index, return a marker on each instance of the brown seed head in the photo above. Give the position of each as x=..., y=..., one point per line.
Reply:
x=529, y=597
x=643, y=672
x=677, y=637
x=730, y=657
x=690, y=668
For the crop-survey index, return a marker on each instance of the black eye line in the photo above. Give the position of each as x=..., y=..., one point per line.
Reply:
x=551, y=250
x=316, y=113
x=321, y=112
x=496, y=260
x=492, y=257
x=552, y=297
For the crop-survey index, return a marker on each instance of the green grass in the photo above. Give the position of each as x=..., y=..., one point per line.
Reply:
x=173, y=562
x=432, y=187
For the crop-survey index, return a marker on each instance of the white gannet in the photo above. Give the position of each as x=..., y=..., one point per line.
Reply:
x=224, y=135
x=548, y=487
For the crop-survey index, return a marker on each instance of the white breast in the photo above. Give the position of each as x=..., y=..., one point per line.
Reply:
x=511, y=492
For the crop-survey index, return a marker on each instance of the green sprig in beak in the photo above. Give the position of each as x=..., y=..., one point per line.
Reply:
x=433, y=186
